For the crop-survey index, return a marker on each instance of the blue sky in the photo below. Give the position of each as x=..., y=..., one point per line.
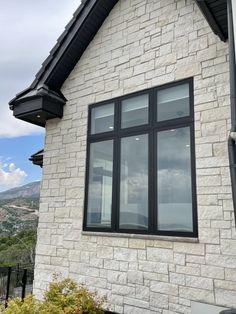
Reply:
x=28, y=31
x=16, y=151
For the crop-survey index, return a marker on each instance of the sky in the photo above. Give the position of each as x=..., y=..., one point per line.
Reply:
x=28, y=31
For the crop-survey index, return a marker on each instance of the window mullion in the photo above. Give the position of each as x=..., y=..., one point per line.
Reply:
x=193, y=181
x=151, y=184
x=151, y=173
x=116, y=160
x=115, y=183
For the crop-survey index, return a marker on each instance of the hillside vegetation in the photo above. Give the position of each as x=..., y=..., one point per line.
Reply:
x=18, y=249
x=18, y=224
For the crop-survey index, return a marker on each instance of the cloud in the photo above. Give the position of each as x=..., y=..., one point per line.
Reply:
x=31, y=32
x=11, y=176
x=12, y=127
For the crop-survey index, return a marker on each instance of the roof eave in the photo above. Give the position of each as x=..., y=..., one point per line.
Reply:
x=203, y=6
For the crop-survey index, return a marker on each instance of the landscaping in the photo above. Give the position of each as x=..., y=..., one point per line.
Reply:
x=62, y=297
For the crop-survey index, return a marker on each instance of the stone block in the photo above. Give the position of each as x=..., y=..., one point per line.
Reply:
x=209, y=235
x=189, y=248
x=164, y=287
x=225, y=298
x=159, y=254
x=195, y=294
x=212, y=271
x=199, y=282
x=124, y=254
x=228, y=247
x=159, y=300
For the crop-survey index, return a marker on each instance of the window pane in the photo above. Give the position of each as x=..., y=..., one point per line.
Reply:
x=173, y=102
x=174, y=180
x=134, y=183
x=134, y=111
x=102, y=119
x=100, y=184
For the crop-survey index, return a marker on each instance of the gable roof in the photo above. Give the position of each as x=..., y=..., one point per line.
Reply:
x=43, y=100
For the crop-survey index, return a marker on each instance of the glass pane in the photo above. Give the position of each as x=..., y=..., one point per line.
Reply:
x=174, y=180
x=102, y=119
x=173, y=102
x=100, y=184
x=134, y=111
x=134, y=183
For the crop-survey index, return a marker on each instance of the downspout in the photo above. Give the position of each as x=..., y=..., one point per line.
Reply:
x=232, y=135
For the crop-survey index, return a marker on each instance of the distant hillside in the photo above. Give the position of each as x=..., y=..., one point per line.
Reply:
x=19, y=209
x=30, y=190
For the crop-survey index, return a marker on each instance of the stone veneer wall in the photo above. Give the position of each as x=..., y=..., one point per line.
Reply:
x=143, y=43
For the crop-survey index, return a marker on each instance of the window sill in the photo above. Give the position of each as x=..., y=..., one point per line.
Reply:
x=141, y=236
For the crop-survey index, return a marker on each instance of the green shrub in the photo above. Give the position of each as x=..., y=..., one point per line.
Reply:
x=62, y=297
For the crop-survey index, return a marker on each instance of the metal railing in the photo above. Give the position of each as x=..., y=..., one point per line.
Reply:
x=16, y=281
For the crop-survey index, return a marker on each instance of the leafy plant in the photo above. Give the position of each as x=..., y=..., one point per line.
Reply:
x=62, y=297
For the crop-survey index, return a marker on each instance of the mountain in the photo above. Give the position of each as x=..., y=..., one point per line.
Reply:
x=30, y=190
x=19, y=209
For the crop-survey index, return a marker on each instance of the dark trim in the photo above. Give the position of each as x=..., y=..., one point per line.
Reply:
x=232, y=137
x=211, y=18
x=232, y=167
x=232, y=65
x=39, y=106
x=37, y=158
x=151, y=129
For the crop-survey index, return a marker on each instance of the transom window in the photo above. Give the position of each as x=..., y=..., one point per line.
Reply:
x=140, y=174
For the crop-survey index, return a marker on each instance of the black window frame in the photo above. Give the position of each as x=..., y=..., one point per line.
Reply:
x=151, y=129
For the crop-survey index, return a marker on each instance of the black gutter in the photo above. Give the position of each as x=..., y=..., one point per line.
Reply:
x=232, y=136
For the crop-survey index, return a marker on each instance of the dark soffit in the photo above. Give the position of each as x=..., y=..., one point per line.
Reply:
x=215, y=12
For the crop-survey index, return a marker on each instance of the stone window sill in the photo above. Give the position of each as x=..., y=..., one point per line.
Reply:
x=140, y=236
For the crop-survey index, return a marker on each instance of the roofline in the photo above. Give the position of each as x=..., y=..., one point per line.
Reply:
x=86, y=21
x=210, y=19
x=63, y=42
x=70, y=46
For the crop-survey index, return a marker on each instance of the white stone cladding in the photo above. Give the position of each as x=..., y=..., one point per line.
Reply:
x=142, y=44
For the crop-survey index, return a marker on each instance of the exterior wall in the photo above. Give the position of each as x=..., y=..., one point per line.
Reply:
x=143, y=44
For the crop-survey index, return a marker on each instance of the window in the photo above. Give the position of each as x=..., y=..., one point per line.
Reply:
x=140, y=174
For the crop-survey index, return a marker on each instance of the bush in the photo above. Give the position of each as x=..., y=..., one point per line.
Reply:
x=62, y=297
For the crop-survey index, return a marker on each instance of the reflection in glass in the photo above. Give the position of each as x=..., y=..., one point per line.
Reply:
x=173, y=102
x=100, y=184
x=102, y=119
x=174, y=180
x=134, y=111
x=134, y=183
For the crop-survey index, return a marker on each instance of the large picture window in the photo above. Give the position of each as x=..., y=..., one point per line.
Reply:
x=140, y=175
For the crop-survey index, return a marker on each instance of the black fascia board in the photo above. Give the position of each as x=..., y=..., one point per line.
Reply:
x=78, y=39
x=211, y=19
x=63, y=45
